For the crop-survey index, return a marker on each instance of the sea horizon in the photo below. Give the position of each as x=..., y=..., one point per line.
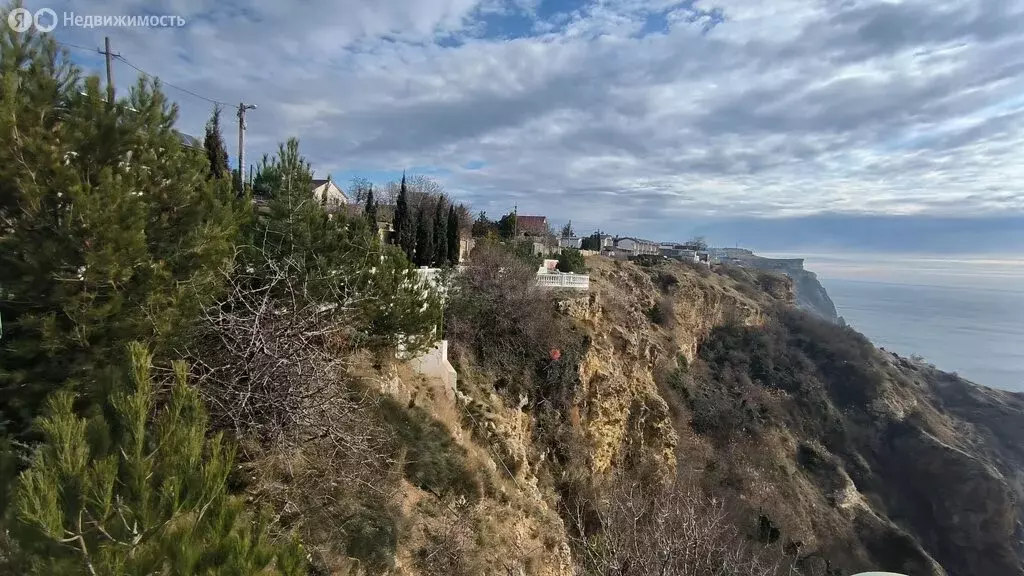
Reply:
x=963, y=314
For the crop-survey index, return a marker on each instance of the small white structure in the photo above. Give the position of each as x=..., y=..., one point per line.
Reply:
x=548, y=276
x=560, y=280
x=434, y=364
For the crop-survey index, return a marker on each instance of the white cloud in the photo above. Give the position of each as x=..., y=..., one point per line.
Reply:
x=784, y=108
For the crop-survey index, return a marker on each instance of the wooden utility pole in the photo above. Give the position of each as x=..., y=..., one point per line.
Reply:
x=110, y=74
x=242, y=107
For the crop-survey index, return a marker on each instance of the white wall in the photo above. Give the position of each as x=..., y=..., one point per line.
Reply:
x=573, y=281
x=335, y=197
x=434, y=364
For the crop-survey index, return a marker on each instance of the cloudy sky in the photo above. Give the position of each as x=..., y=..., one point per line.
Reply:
x=782, y=124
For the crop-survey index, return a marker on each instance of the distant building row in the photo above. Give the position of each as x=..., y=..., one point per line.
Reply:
x=537, y=229
x=629, y=246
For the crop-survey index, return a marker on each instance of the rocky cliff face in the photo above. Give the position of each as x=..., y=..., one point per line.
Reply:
x=847, y=457
x=861, y=459
x=810, y=295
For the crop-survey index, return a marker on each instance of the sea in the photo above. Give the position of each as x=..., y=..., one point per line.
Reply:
x=964, y=314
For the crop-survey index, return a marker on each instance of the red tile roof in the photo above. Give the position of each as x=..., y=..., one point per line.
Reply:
x=535, y=225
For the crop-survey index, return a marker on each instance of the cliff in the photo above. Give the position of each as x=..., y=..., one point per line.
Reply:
x=858, y=458
x=839, y=456
x=810, y=294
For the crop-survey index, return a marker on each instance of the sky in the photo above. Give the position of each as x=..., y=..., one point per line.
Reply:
x=838, y=125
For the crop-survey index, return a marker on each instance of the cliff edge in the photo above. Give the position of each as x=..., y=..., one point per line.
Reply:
x=809, y=293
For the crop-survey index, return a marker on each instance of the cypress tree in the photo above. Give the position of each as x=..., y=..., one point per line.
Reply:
x=453, y=237
x=440, y=256
x=405, y=226
x=138, y=490
x=424, y=236
x=216, y=151
x=371, y=209
x=113, y=230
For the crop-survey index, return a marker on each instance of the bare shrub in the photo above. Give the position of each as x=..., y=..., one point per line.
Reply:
x=268, y=356
x=700, y=268
x=498, y=314
x=449, y=546
x=663, y=313
x=671, y=530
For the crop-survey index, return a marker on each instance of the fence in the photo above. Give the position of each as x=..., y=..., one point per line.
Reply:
x=572, y=281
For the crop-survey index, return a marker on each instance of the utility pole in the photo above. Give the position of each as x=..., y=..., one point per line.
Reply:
x=110, y=75
x=515, y=224
x=242, y=107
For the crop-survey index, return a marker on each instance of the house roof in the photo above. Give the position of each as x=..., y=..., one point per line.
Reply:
x=189, y=141
x=637, y=240
x=532, y=224
x=318, y=182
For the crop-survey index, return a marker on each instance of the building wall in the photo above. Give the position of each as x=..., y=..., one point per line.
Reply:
x=627, y=244
x=466, y=248
x=335, y=197
x=638, y=247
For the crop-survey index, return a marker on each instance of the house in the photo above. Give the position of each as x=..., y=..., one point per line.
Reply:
x=685, y=252
x=637, y=246
x=615, y=253
x=190, y=141
x=574, y=242
x=670, y=250
x=532, y=226
x=328, y=193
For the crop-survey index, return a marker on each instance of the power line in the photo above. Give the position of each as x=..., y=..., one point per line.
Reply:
x=143, y=72
x=70, y=45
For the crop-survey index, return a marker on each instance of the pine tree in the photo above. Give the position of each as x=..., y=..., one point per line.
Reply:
x=216, y=151
x=329, y=258
x=507, y=226
x=399, y=311
x=483, y=225
x=440, y=257
x=567, y=231
x=405, y=225
x=371, y=209
x=138, y=490
x=295, y=225
x=424, y=236
x=113, y=230
x=453, y=237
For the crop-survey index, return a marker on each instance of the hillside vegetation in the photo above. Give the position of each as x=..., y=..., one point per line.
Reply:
x=189, y=385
